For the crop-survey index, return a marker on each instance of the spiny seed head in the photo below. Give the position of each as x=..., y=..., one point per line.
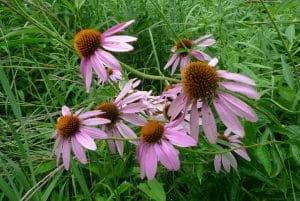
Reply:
x=169, y=86
x=109, y=71
x=188, y=44
x=87, y=41
x=199, y=80
x=224, y=138
x=111, y=112
x=67, y=126
x=152, y=132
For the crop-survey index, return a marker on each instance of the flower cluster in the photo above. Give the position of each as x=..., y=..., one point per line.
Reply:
x=156, y=125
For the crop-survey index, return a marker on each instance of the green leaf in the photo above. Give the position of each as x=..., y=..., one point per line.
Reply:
x=287, y=73
x=51, y=186
x=45, y=167
x=287, y=4
x=79, y=3
x=290, y=32
x=295, y=150
x=7, y=190
x=263, y=157
x=25, y=41
x=154, y=190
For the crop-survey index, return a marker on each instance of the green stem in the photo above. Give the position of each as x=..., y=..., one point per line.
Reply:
x=146, y=76
x=122, y=139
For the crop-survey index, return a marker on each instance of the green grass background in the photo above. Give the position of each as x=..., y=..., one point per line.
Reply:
x=39, y=72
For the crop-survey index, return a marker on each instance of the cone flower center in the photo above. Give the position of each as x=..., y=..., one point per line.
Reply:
x=152, y=132
x=199, y=80
x=111, y=112
x=188, y=44
x=87, y=41
x=67, y=126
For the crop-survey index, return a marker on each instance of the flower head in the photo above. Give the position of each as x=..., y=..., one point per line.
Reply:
x=87, y=44
x=76, y=129
x=227, y=159
x=202, y=83
x=126, y=107
x=185, y=48
x=156, y=144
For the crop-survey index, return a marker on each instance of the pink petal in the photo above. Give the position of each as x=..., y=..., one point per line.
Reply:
x=119, y=143
x=200, y=55
x=86, y=141
x=237, y=106
x=207, y=42
x=179, y=138
x=59, y=151
x=171, y=60
x=167, y=155
x=235, y=77
x=99, y=67
x=56, y=144
x=228, y=118
x=124, y=91
x=184, y=62
x=227, y=132
x=117, y=28
x=93, y=132
x=142, y=149
x=194, y=121
x=241, y=88
x=134, y=119
x=133, y=97
x=109, y=59
x=243, y=154
x=209, y=124
x=151, y=163
x=213, y=62
x=111, y=143
x=217, y=163
x=175, y=64
x=177, y=106
x=125, y=131
x=121, y=39
x=66, y=154
x=86, y=71
x=65, y=111
x=78, y=111
x=95, y=121
x=117, y=47
x=90, y=114
x=201, y=38
x=78, y=151
x=133, y=108
x=226, y=163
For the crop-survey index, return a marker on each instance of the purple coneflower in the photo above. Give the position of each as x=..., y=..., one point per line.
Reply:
x=156, y=144
x=87, y=43
x=113, y=75
x=201, y=82
x=126, y=107
x=182, y=54
x=76, y=129
x=227, y=159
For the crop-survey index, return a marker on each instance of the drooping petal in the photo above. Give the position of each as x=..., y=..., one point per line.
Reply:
x=86, y=72
x=241, y=88
x=108, y=59
x=235, y=77
x=177, y=105
x=151, y=163
x=56, y=145
x=117, y=46
x=239, y=107
x=217, y=163
x=119, y=143
x=111, y=143
x=179, y=138
x=242, y=152
x=133, y=108
x=93, y=132
x=231, y=160
x=90, y=114
x=226, y=163
x=168, y=155
x=65, y=111
x=171, y=60
x=117, y=28
x=78, y=111
x=78, y=151
x=66, y=154
x=134, y=119
x=142, y=149
x=201, y=38
x=133, y=97
x=175, y=64
x=59, y=151
x=86, y=141
x=207, y=42
x=95, y=121
x=197, y=54
x=124, y=91
x=228, y=118
x=125, y=131
x=99, y=67
x=209, y=124
x=194, y=121
x=184, y=62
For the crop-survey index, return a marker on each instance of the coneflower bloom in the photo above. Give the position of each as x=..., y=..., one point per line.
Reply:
x=156, y=144
x=112, y=75
x=182, y=54
x=126, y=107
x=201, y=82
x=88, y=42
x=227, y=159
x=76, y=129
